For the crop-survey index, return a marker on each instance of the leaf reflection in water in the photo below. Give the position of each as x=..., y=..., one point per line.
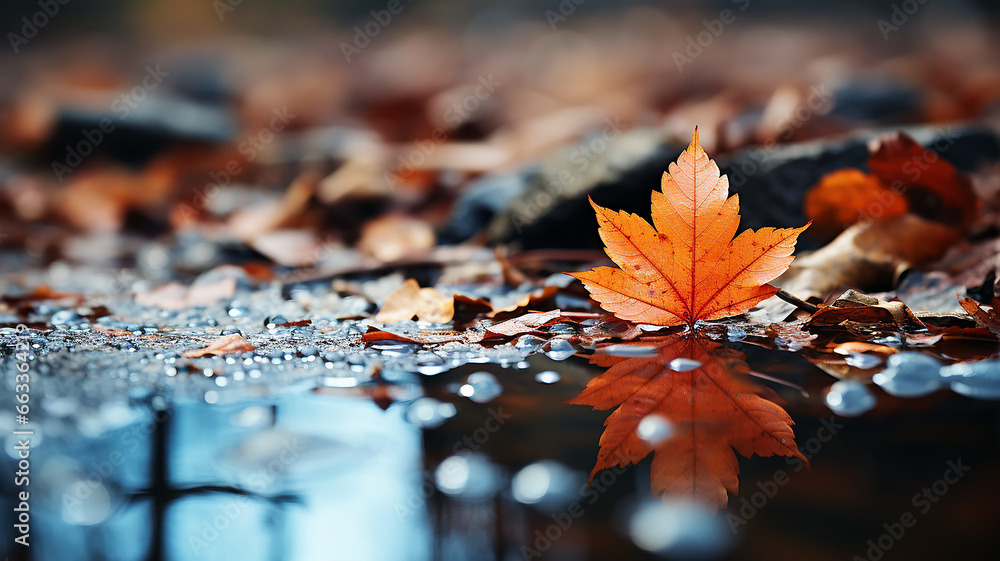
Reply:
x=713, y=408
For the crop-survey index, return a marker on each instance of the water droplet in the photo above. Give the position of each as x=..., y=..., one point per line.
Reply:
x=629, y=350
x=254, y=416
x=211, y=396
x=548, y=484
x=468, y=476
x=85, y=503
x=654, y=429
x=889, y=339
x=683, y=364
x=974, y=379
x=429, y=413
x=560, y=349
x=529, y=343
x=481, y=387
x=679, y=528
x=862, y=360
x=547, y=377
x=909, y=374
x=66, y=318
x=735, y=334
x=850, y=398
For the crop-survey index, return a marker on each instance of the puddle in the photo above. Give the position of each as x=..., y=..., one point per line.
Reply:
x=307, y=446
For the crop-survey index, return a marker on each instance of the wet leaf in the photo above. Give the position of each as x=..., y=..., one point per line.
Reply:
x=687, y=266
x=227, y=344
x=990, y=319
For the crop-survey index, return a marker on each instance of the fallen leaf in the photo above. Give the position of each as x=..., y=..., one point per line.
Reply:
x=712, y=405
x=227, y=344
x=867, y=256
x=175, y=296
x=856, y=307
x=524, y=324
x=687, y=266
x=394, y=237
x=410, y=300
x=249, y=223
x=933, y=188
x=905, y=178
x=845, y=196
x=990, y=319
x=110, y=331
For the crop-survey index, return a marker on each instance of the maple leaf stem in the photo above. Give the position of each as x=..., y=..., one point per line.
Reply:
x=796, y=301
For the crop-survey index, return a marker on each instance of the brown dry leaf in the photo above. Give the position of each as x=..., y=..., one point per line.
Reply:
x=395, y=236
x=227, y=344
x=291, y=248
x=355, y=179
x=410, y=300
x=175, y=296
x=249, y=223
x=990, y=319
x=523, y=324
x=420, y=337
x=855, y=307
x=532, y=299
x=867, y=256
x=110, y=331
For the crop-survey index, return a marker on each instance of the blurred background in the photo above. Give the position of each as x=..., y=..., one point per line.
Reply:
x=306, y=140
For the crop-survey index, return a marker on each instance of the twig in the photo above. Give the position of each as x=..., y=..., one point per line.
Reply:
x=795, y=301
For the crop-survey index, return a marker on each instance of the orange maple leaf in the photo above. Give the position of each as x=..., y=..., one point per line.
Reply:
x=688, y=267
x=713, y=408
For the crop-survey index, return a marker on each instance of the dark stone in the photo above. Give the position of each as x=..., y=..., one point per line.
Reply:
x=480, y=203
x=772, y=183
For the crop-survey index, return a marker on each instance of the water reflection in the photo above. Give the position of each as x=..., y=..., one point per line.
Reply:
x=690, y=405
x=299, y=476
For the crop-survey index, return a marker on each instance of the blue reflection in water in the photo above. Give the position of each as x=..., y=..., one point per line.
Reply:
x=324, y=477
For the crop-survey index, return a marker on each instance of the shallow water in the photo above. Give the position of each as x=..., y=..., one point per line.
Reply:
x=315, y=446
